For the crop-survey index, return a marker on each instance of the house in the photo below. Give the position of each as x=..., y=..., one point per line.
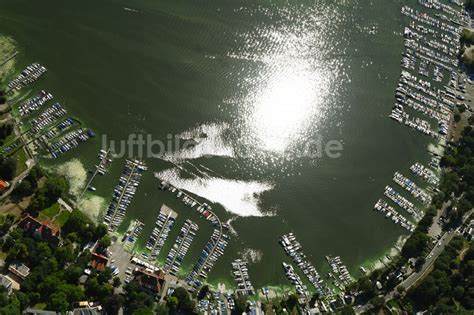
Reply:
x=98, y=261
x=6, y=283
x=40, y=231
x=19, y=270
x=9, y=284
x=150, y=281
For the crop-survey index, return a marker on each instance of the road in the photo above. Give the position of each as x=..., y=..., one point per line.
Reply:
x=414, y=277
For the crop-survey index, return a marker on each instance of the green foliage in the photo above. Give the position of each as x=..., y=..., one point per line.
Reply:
x=450, y=285
x=7, y=169
x=5, y=131
x=46, y=196
x=136, y=300
x=185, y=304
x=80, y=226
x=416, y=245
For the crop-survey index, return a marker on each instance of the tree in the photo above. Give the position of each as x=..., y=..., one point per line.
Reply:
x=185, y=304
x=58, y=302
x=24, y=189
x=113, y=303
x=116, y=282
x=104, y=242
x=7, y=169
x=100, y=231
x=172, y=303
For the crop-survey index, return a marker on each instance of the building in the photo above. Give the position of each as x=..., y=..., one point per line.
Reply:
x=150, y=281
x=40, y=231
x=6, y=283
x=19, y=270
x=98, y=261
x=31, y=311
x=86, y=308
x=9, y=284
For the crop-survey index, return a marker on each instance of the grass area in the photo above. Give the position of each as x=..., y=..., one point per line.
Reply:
x=52, y=211
x=62, y=218
x=20, y=157
x=54, y=215
x=7, y=47
x=3, y=255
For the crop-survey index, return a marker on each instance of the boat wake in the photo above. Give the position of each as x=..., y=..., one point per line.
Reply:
x=207, y=140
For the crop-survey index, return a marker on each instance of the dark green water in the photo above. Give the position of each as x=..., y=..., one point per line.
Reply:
x=265, y=76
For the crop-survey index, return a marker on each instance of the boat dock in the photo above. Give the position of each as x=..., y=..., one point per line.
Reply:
x=26, y=77
x=391, y=213
x=424, y=173
x=403, y=203
x=133, y=232
x=215, y=246
x=212, y=251
x=294, y=249
x=34, y=103
x=341, y=275
x=203, y=209
x=163, y=225
x=180, y=247
x=242, y=278
x=432, y=43
x=48, y=117
x=296, y=280
x=412, y=188
x=123, y=193
x=105, y=161
x=70, y=141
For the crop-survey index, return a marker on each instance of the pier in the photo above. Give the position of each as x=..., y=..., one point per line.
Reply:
x=242, y=278
x=294, y=249
x=104, y=157
x=123, y=193
x=163, y=225
x=180, y=247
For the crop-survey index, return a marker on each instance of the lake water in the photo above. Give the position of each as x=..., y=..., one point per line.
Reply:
x=252, y=82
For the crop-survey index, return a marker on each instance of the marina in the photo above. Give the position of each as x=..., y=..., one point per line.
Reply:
x=242, y=278
x=49, y=116
x=26, y=77
x=424, y=173
x=130, y=237
x=105, y=160
x=392, y=214
x=180, y=247
x=294, y=249
x=203, y=209
x=403, y=203
x=412, y=188
x=429, y=54
x=339, y=272
x=163, y=225
x=212, y=251
x=70, y=141
x=35, y=103
x=123, y=193
x=295, y=279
